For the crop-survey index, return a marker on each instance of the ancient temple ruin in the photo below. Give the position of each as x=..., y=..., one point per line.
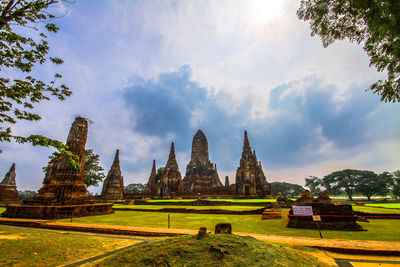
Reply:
x=170, y=183
x=151, y=184
x=250, y=178
x=201, y=173
x=113, y=185
x=63, y=193
x=8, y=187
x=226, y=181
x=330, y=216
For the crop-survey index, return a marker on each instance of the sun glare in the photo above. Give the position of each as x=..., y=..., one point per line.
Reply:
x=264, y=11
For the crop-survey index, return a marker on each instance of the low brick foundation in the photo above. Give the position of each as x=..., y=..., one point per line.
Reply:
x=56, y=212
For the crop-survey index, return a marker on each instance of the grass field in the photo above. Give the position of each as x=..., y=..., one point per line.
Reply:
x=385, y=205
x=381, y=229
x=217, y=199
x=22, y=247
x=371, y=209
x=156, y=207
x=374, y=209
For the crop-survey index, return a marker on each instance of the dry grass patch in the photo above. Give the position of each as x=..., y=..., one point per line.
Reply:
x=22, y=247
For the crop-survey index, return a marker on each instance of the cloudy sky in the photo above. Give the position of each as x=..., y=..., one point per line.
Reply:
x=151, y=72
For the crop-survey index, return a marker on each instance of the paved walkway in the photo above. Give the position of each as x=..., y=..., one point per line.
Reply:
x=362, y=246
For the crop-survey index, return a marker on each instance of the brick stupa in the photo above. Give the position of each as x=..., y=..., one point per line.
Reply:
x=170, y=184
x=151, y=183
x=201, y=173
x=63, y=193
x=113, y=186
x=250, y=178
x=8, y=188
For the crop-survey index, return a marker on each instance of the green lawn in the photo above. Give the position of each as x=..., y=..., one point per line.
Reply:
x=381, y=229
x=156, y=207
x=217, y=199
x=21, y=247
x=375, y=209
x=385, y=205
x=244, y=200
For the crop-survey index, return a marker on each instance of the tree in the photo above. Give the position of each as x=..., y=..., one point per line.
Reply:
x=343, y=181
x=288, y=189
x=396, y=183
x=375, y=23
x=314, y=184
x=135, y=189
x=373, y=184
x=93, y=172
x=20, y=51
x=26, y=194
x=157, y=177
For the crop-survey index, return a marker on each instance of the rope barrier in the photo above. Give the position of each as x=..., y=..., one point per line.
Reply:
x=352, y=216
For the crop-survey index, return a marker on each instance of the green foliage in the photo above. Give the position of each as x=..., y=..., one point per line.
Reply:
x=27, y=194
x=396, y=183
x=342, y=181
x=288, y=189
x=214, y=250
x=376, y=24
x=20, y=51
x=314, y=184
x=159, y=174
x=367, y=183
x=93, y=172
x=135, y=188
x=372, y=184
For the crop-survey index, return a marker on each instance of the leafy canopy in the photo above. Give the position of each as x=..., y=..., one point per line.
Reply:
x=93, y=172
x=23, y=44
x=135, y=189
x=396, y=184
x=314, y=184
x=374, y=184
x=375, y=23
x=288, y=189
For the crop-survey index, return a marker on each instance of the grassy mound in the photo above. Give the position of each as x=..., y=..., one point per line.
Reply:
x=215, y=250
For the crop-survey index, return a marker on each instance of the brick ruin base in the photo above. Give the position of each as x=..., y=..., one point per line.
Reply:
x=56, y=212
x=337, y=217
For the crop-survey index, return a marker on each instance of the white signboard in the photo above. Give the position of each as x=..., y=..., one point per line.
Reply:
x=303, y=210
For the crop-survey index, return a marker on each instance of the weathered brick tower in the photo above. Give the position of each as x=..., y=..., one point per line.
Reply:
x=250, y=178
x=201, y=173
x=113, y=186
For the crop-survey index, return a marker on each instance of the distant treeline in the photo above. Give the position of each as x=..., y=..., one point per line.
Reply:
x=356, y=182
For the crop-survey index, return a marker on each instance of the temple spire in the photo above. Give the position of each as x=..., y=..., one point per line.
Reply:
x=12, y=169
x=226, y=181
x=153, y=169
x=116, y=159
x=9, y=178
x=172, y=152
x=246, y=144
